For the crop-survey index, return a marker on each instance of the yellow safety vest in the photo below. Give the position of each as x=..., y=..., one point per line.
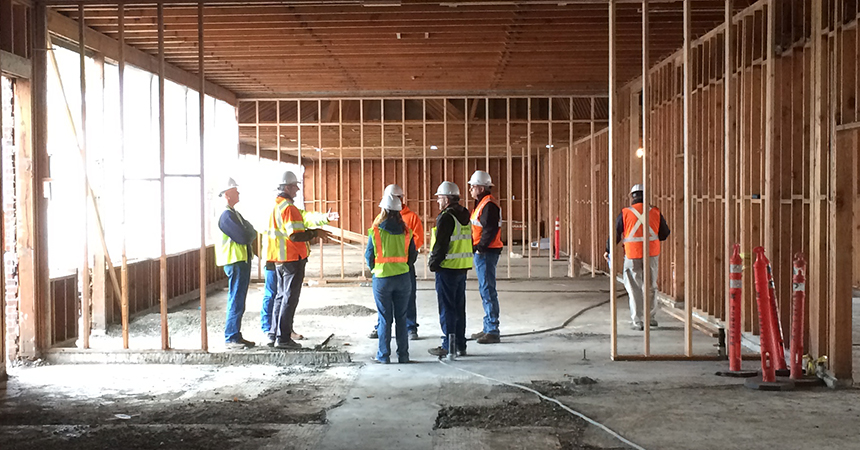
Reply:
x=459, y=254
x=228, y=251
x=391, y=252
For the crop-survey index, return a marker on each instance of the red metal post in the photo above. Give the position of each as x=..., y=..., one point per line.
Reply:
x=775, y=321
x=797, y=317
x=557, y=238
x=768, y=372
x=735, y=293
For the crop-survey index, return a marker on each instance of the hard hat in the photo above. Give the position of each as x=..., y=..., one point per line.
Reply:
x=481, y=178
x=393, y=189
x=230, y=184
x=288, y=178
x=448, y=188
x=636, y=188
x=390, y=203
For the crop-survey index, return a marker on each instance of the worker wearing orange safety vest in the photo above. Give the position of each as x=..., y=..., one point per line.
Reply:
x=413, y=223
x=629, y=230
x=391, y=254
x=288, y=248
x=487, y=243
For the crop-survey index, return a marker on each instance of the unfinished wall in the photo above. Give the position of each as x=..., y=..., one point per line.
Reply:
x=782, y=175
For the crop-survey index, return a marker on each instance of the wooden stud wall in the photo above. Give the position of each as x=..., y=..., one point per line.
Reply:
x=790, y=184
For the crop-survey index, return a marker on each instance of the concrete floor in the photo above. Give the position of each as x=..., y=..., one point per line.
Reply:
x=656, y=405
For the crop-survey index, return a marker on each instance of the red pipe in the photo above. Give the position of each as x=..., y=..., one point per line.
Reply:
x=735, y=293
x=797, y=319
x=768, y=372
x=778, y=345
x=557, y=238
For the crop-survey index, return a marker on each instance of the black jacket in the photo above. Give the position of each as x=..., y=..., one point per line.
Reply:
x=444, y=230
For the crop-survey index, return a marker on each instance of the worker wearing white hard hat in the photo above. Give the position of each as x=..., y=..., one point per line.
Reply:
x=290, y=230
x=413, y=222
x=486, y=221
x=450, y=260
x=629, y=230
x=390, y=253
x=234, y=253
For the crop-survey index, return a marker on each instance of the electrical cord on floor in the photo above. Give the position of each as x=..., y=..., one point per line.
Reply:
x=563, y=325
x=550, y=399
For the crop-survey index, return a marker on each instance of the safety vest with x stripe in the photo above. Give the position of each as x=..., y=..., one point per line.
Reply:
x=633, y=236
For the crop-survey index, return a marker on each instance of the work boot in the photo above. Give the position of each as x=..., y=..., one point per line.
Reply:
x=653, y=323
x=296, y=336
x=373, y=335
x=478, y=335
x=288, y=345
x=438, y=351
x=413, y=335
x=235, y=346
x=247, y=343
x=489, y=339
x=461, y=352
x=637, y=326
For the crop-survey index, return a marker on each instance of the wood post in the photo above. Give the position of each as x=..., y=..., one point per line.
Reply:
x=165, y=338
x=201, y=68
x=613, y=105
x=688, y=194
x=646, y=191
x=85, y=268
x=729, y=150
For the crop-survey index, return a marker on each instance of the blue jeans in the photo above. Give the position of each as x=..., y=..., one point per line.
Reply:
x=290, y=277
x=451, y=295
x=392, y=296
x=485, y=269
x=411, y=308
x=268, y=300
x=239, y=277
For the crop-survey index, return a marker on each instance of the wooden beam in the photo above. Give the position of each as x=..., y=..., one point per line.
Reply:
x=646, y=188
x=593, y=188
x=510, y=184
x=688, y=194
x=816, y=274
x=201, y=101
x=729, y=151
x=613, y=117
x=841, y=252
x=165, y=338
x=85, y=267
x=67, y=28
x=14, y=65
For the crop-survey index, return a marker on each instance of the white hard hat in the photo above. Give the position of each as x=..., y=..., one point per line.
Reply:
x=636, y=188
x=230, y=184
x=481, y=178
x=448, y=188
x=288, y=178
x=393, y=189
x=390, y=203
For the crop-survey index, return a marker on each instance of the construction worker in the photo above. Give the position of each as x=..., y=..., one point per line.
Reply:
x=288, y=248
x=413, y=222
x=450, y=259
x=234, y=253
x=391, y=255
x=628, y=229
x=487, y=244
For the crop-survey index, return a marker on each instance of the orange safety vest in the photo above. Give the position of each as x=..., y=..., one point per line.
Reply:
x=413, y=222
x=477, y=228
x=632, y=238
x=285, y=220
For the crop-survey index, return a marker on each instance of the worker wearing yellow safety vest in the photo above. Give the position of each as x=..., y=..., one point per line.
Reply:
x=450, y=259
x=390, y=253
x=487, y=241
x=629, y=231
x=233, y=252
x=413, y=223
x=288, y=248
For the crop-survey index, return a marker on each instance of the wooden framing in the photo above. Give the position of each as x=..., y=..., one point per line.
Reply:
x=165, y=338
x=201, y=90
x=85, y=268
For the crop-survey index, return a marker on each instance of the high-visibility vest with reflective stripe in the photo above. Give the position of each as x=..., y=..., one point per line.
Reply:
x=478, y=229
x=229, y=251
x=633, y=236
x=285, y=220
x=459, y=254
x=391, y=252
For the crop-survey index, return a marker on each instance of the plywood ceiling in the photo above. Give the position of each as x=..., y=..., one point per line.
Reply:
x=409, y=47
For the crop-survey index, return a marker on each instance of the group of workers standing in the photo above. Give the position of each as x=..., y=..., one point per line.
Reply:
x=460, y=241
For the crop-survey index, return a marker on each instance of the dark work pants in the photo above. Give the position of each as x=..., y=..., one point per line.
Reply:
x=451, y=295
x=290, y=277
